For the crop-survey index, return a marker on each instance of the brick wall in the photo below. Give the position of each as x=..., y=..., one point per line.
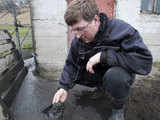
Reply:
x=106, y=6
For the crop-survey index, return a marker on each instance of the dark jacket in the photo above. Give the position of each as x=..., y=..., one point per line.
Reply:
x=120, y=44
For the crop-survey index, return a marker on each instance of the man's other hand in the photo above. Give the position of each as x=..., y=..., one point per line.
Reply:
x=60, y=96
x=92, y=61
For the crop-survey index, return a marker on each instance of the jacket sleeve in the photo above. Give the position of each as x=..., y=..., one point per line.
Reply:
x=69, y=69
x=133, y=55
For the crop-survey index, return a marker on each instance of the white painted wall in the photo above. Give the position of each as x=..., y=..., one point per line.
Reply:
x=147, y=24
x=50, y=36
x=51, y=32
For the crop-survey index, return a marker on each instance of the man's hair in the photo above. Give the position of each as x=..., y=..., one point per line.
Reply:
x=80, y=9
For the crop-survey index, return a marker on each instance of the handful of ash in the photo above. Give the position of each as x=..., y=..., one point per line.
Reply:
x=55, y=111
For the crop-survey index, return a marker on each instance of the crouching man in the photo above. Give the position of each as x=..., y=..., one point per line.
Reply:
x=105, y=53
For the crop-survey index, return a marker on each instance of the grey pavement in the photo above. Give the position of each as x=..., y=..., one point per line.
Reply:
x=36, y=94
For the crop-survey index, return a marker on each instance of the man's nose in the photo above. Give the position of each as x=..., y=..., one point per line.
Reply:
x=78, y=35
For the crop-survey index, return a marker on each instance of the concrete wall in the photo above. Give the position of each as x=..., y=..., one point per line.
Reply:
x=50, y=31
x=147, y=24
x=50, y=36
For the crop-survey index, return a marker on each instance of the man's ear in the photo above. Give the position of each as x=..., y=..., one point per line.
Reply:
x=96, y=17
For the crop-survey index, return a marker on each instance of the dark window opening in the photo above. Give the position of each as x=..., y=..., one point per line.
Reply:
x=150, y=6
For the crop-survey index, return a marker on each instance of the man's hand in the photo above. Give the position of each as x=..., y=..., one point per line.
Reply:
x=60, y=95
x=92, y=61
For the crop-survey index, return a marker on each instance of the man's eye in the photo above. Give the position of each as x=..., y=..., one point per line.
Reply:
x=79, y=29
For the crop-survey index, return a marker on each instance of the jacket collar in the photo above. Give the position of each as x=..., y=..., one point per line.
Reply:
x=103, y=25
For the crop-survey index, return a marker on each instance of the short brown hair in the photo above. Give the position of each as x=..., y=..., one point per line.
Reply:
x=80, y=9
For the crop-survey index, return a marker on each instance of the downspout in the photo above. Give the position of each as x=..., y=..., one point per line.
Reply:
x=33, y=36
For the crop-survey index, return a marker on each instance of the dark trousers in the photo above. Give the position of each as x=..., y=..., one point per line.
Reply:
x=117, y=81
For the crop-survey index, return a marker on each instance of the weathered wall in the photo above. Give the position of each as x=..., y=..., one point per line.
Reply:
x=147, y=24
x=50, y=36
x=6, y=54
x=8, y=19
x=50, y=31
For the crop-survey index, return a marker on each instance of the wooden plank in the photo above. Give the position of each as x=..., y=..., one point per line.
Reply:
x=12, y=70
x=16, y=54
x=6, y=62
x=5, y=36
x=12, y=91
x=7, y=59
x=4, y=111
x=9, y=75
x=8, y=46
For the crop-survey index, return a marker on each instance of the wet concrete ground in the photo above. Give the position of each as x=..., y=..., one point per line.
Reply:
x=36, y=93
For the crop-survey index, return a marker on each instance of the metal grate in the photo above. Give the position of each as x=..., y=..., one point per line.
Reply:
x=15, y=17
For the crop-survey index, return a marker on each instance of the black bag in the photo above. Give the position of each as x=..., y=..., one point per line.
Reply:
x=55, y=111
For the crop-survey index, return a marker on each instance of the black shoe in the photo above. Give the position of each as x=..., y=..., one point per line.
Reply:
x=98, y=93
x=117, y=114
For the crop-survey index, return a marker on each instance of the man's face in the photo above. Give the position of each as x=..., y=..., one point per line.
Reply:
x=86, y=31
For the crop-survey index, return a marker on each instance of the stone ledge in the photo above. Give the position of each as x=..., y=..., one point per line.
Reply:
x=49, y=71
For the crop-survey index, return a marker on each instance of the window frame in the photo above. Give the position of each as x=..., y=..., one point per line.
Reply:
x=151, y=7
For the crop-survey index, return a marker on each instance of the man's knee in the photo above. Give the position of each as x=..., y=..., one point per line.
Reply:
x=117, y=81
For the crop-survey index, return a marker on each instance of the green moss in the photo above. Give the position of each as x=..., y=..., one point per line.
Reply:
x=3, y=53
x=157, y=64
x=11, y=29
x=27, y=46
